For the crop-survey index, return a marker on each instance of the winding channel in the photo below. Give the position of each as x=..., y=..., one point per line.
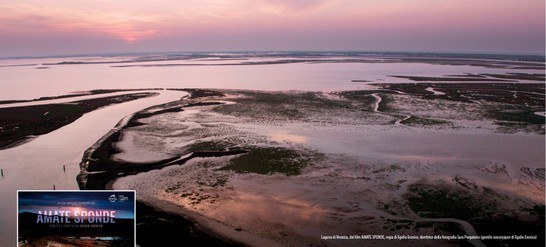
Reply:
x=378, y=100
x=39, y=164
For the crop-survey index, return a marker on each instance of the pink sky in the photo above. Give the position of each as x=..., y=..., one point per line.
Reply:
x=40, y=27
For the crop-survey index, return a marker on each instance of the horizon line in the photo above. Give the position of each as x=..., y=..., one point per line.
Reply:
x=498, y=53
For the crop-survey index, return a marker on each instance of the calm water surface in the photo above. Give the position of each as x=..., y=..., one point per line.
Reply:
x=25, y=82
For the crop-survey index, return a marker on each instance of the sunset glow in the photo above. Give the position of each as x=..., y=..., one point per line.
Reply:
x=33, y=27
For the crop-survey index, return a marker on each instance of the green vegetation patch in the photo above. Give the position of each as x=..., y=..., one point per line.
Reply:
x=269, y=160
x=537, y=210
x=435, y=201
x=396, y=225
x=513, y=118
x=386, y=103
x=280, y=105
x=517, y=114
x=365, y=97
x=419, y=121
x=209, y=146
x=478, y=209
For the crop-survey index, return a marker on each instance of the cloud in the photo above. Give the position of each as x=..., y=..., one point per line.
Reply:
x=271, y=24
x=204, y=12
x=292, y=6
x=31, y=18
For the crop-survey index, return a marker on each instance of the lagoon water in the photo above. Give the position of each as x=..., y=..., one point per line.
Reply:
x=27, y=82
x=38, y=164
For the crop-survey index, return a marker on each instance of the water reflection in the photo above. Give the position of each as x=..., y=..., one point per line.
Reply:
x=288, y=137
x=24, y=82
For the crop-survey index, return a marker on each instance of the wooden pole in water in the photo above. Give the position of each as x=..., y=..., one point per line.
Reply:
x=64, y=168
x=2, y=171
x=53, y=187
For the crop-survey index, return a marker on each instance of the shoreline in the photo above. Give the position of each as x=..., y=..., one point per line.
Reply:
x=73, y=95
x=177, y=225
x=20, y=123
x=194, y=233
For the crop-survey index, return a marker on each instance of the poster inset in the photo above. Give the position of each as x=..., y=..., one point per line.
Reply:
x=76, y=218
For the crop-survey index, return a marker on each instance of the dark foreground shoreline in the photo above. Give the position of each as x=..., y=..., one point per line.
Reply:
x=158, y=228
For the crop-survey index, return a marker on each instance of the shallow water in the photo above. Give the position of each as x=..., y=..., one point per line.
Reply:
x=397, y=144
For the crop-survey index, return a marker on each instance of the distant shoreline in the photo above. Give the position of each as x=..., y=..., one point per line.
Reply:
x=422, y=53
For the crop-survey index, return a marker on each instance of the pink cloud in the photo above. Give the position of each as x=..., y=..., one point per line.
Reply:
x=276, y=24
x=292, y=6
x=122, y=25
